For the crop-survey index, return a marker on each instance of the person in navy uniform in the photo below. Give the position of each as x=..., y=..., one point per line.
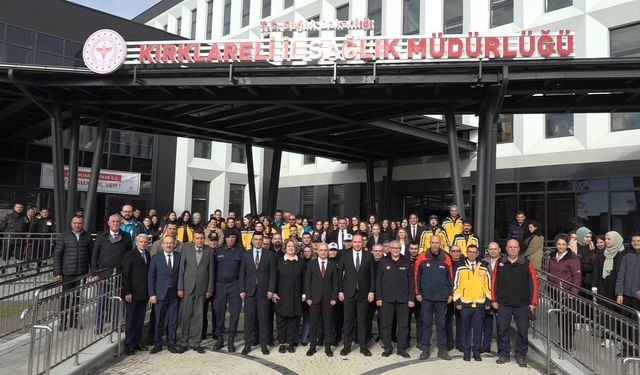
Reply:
x=163, y=293
x=227, y=291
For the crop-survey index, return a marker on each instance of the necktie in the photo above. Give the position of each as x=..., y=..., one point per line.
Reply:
x=341, y=240
x=473, y=267
x=357, y=261
x=144, y=258
x=322, y=270
x=413, y=232
x=169, y=266
x=257, y=258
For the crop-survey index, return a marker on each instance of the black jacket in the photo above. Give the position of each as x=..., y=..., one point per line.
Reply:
x=395, y=281
x=258, y=282
x=363, y=281
x=514, y=284
x=134, y=274
x=108, y=255
x=14, y=222
x=44, y=226
x=318, y=289
x=586, y=265
x=72, y=257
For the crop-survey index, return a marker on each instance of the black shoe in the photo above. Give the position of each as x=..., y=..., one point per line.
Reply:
x=466, y=357
x=246, y=350
x=311, y=351
x=282, y=349
x=304, y=343
x=291, y=349
x=502, y=360
x=345, y=351
x=426, y=353
x=328, y=351
x=521, y=362
x=450, y=347
x=129, y=351
x=386, y=353
x=477, y=357
x=485, y=350
x=403, y=354
x=442, y=354
x=265, y=351
x=140, y=348
x=155, y=349
x=231, y=347
x=219, y=344
x=198, y=349
x=174, y=350
x=271, y=343
x=365, y=352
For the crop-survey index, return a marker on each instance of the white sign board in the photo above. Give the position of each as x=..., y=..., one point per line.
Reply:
x=112, y=182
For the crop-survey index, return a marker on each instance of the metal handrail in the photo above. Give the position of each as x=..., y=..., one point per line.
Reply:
x=626, y=361
x=549, y=312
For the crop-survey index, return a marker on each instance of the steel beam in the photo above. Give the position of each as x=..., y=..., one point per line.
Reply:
x=74, y=138
x=96, y=162
x=371, y=188
x=454, y=162
x=57, y=149
x=274, y=180
x=248, y=149
x=420, y=133
x=387, y=190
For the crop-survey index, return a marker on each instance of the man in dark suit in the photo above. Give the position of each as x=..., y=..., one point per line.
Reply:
x=135, y=266
x=338, y=236
x=357, y=292
x=163, y=286
x=195, y=285
x=321, y=291
x=257, y=283
x=415, y=230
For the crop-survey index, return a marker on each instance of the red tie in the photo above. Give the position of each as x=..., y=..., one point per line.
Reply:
x=322, y=270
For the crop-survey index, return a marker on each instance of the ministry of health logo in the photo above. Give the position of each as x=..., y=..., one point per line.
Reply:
x=104, y=51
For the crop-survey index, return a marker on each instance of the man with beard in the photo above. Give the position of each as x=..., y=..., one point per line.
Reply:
x=129, y=224
x=276, y=244
x=171, y=230
x=434, y=229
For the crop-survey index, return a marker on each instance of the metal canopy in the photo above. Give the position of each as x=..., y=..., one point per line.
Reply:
x=343, y=112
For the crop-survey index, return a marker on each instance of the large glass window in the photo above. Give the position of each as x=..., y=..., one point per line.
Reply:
x=266, y=8
x=452, y=17
x=559, y=125
x=625, y=212
x=288, y=4
x=143, y=145
x=506, y=206
x=558, y=4
x=236, y=199
x=501, y=12
x=202, y=149
x=624, y=41
x=194, y=18
x=532, y=205
x=336, y=200
x=209, y=19
x=308, y=159
x=593, y=211
x=226, y=22
x=307, y=201
x=561, y=213
x=246, y=8
x=411, y=17
x=120, y=142
x=200, y=198
x=237, y=153
x=625, y=121
x=342, y=13
x=505, y=129
x=374, y=12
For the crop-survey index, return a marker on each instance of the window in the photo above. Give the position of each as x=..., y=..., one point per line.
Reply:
x=202, y=149
x=266, y=8
x=561, y=213
x=342, y=14
x=314, y=33
x=559, y=125
x=200, y=198
x=120, y=142
x=246, y=8
x=308, y=159
x=452, y=17
x=179, y=26
x=624, y=41
x=194, y=18
x=411, y=17
x=226, y=23
x=374, y=12
x=209, y=19
x=501, y=12
x=558, y=4
x=236, y=199
x=307, y=200
x=237, y=154
x=625, y=121
x=592, y=210
x=288, y=4
x=143, y=145
x=625, y=211
x=505, y=129
x=19, y=45
x=336, y=200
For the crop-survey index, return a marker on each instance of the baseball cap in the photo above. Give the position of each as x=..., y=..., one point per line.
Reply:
x=348, y=237
x=333, y=246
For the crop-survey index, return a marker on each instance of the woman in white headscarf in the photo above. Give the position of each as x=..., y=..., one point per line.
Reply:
x=606, y=265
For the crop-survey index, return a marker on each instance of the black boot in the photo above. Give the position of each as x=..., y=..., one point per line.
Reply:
x=219, y=344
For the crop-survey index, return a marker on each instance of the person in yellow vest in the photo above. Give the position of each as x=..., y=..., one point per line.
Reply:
x=185, y=231
x=246, y=231
x=452, y=224
x=287, y=226
x=466, y=238
x=472, y=296
x=434, y=229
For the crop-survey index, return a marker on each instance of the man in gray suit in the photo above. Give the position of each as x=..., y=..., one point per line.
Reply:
x=195, y=285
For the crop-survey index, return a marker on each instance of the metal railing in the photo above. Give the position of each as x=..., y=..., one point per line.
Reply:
x=594, y=331
x=69, y=316
x=18, y=248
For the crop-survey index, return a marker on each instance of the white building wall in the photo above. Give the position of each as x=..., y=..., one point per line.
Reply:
x=593, y=140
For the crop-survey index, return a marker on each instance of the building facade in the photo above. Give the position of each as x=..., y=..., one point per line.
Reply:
x=564, y=169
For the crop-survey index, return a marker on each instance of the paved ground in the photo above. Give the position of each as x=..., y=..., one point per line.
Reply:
x=298, y=363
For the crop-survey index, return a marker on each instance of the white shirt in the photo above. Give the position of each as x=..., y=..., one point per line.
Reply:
x=472, y=264
x=77, y=234
x=166, y=256
x=560, y=256
x=355, y=254
x=414, y=230
x=256, y=251
x=320, y=261
x=402, y=246
x=341, y=234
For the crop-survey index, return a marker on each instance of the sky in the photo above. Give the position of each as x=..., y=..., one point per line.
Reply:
x=123, y=8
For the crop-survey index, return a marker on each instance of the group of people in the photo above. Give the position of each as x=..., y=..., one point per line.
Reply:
x=17, y=226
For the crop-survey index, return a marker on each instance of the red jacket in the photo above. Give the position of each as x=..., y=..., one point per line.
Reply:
x=568, y=269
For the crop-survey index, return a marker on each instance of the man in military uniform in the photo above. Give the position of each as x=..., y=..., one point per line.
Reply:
x=228, y=260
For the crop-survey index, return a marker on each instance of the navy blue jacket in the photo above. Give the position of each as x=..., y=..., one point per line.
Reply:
x=159, y=279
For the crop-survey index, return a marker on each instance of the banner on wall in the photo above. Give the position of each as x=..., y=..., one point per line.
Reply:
x=112, y=182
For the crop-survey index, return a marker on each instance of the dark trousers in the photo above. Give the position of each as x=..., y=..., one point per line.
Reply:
x=108, y=309
x=70, y=302
x=355, y=313
x=288, y=329
x=487, y=329
x=401, y=312
x=321, y=313
x=134, y=322
x=227, y=293
x=205, y=318
x=416, y=313
x=521, y=316
x=167, y=308
x=451, y=315
x=256, y=316
x=431, y=309
x=634, y=303
x=338, y=321
x=471, y=319
x=304, y=331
